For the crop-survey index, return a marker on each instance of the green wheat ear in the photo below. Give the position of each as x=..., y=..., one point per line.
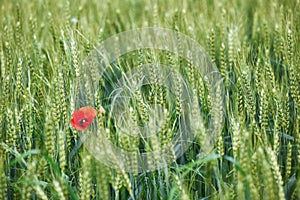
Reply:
x=3, y=184
x=85, y=176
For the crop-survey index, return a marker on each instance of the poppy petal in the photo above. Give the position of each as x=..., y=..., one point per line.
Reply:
x=83, y=117
x=89, y=113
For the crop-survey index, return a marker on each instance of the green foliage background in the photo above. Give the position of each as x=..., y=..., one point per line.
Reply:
x=254, y=44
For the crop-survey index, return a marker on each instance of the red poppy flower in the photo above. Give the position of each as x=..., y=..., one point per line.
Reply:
x=82, y=118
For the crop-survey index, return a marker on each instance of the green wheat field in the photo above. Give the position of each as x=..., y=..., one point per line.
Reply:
x=255, y=44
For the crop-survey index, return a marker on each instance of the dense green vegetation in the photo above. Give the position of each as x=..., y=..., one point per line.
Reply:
x=44, y=46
